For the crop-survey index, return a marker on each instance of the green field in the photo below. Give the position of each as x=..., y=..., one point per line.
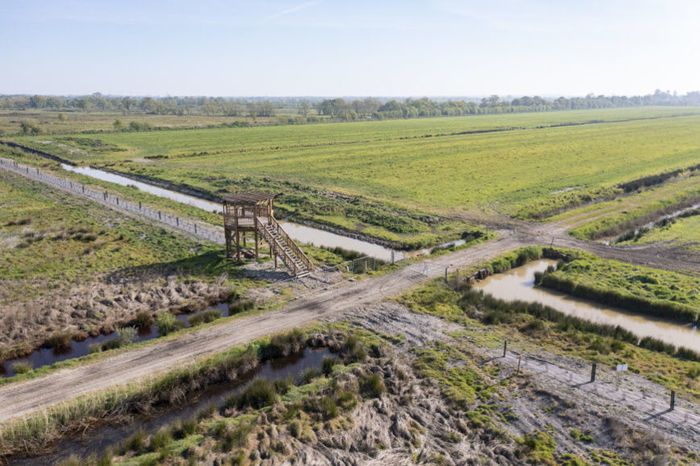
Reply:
x=419, y=163
x=56, y=122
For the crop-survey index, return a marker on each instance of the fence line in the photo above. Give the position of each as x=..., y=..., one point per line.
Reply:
x=604, y=382
x=192, y=227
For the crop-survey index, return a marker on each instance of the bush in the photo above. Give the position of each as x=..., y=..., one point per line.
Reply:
x=372, y=386
x=204, y=317
x=259, y=394
x=167, y=323
x=22, y=367
x=240, y=305
x=160, y=440
x=137, y=442
x=282, y=345
x=657, y=345
x=60, y=341
x=143, y=320
x=327, y=366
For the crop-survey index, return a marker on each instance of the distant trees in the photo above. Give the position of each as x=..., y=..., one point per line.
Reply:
x=299, y=110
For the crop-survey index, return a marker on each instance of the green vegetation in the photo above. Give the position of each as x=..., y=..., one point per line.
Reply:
x=640, y=289
x=682, y=233
x=487, y=322
x=57, y=238
x=390, y=169
x=618, y=216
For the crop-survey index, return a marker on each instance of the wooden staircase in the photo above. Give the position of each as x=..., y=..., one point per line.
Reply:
x=284, y=247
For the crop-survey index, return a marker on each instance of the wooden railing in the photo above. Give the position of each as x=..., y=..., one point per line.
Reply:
x=278, y=247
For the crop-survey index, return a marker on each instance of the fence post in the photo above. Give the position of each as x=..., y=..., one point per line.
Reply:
x=139, y=205
x=673, y=400
x=392, y=256
x=505, y=348
x=177, y=221
x=446, y=268
x=520, y=358
x=593, y=371
x=195, y=228
x=160, y=217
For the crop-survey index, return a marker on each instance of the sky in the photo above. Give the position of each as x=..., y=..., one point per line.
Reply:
x=349, y=48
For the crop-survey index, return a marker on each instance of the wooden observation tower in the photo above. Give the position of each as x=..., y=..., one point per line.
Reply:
x=252, y=214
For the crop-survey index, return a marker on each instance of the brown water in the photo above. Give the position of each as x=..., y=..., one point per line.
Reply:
x=518, y=284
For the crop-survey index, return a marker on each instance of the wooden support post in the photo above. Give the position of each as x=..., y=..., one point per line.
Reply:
x=446, y=269
x=256, y=244
x=673, y=400
x=594, y=368
x=505, y=348
x=238, y=245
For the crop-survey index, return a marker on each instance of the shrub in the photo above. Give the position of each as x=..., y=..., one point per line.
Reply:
x=160, y=440
x=259, y=394
x=126, y=335
x=657, y=345
x=167, y=323
x=137, y=442
x=185, y=428
x=282, y=345
x=22, y=367
x=60, y=341
x=309, y=375
x=204, y=317
x=143, y=320
x=240, y=305
x=282, y=386
x=371, y=386
x=327, y=366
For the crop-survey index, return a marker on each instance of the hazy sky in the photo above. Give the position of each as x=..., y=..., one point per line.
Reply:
x=358, y=47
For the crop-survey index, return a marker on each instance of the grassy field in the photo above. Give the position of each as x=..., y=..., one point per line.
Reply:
x=53, y=122
x=418, y=164
x=55, y=237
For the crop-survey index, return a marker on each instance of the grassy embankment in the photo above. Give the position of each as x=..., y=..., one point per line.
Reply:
x=488, y=322
x=661, y=293
x=397, y=178
x=627, y=213
x=682, y=232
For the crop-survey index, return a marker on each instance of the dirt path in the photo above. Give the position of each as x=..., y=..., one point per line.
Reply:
x=23, y=398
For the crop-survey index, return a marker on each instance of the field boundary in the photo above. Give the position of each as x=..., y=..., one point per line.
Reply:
x=200, y=230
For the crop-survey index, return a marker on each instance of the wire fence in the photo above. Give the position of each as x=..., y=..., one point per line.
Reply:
x=200, y=230
x=652, y=403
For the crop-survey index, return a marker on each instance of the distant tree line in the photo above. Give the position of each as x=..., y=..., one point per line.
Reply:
x=414, y=108
x=309, y=109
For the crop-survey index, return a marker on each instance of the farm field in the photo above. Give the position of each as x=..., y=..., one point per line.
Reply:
x=57, y=122
x=523, y=173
